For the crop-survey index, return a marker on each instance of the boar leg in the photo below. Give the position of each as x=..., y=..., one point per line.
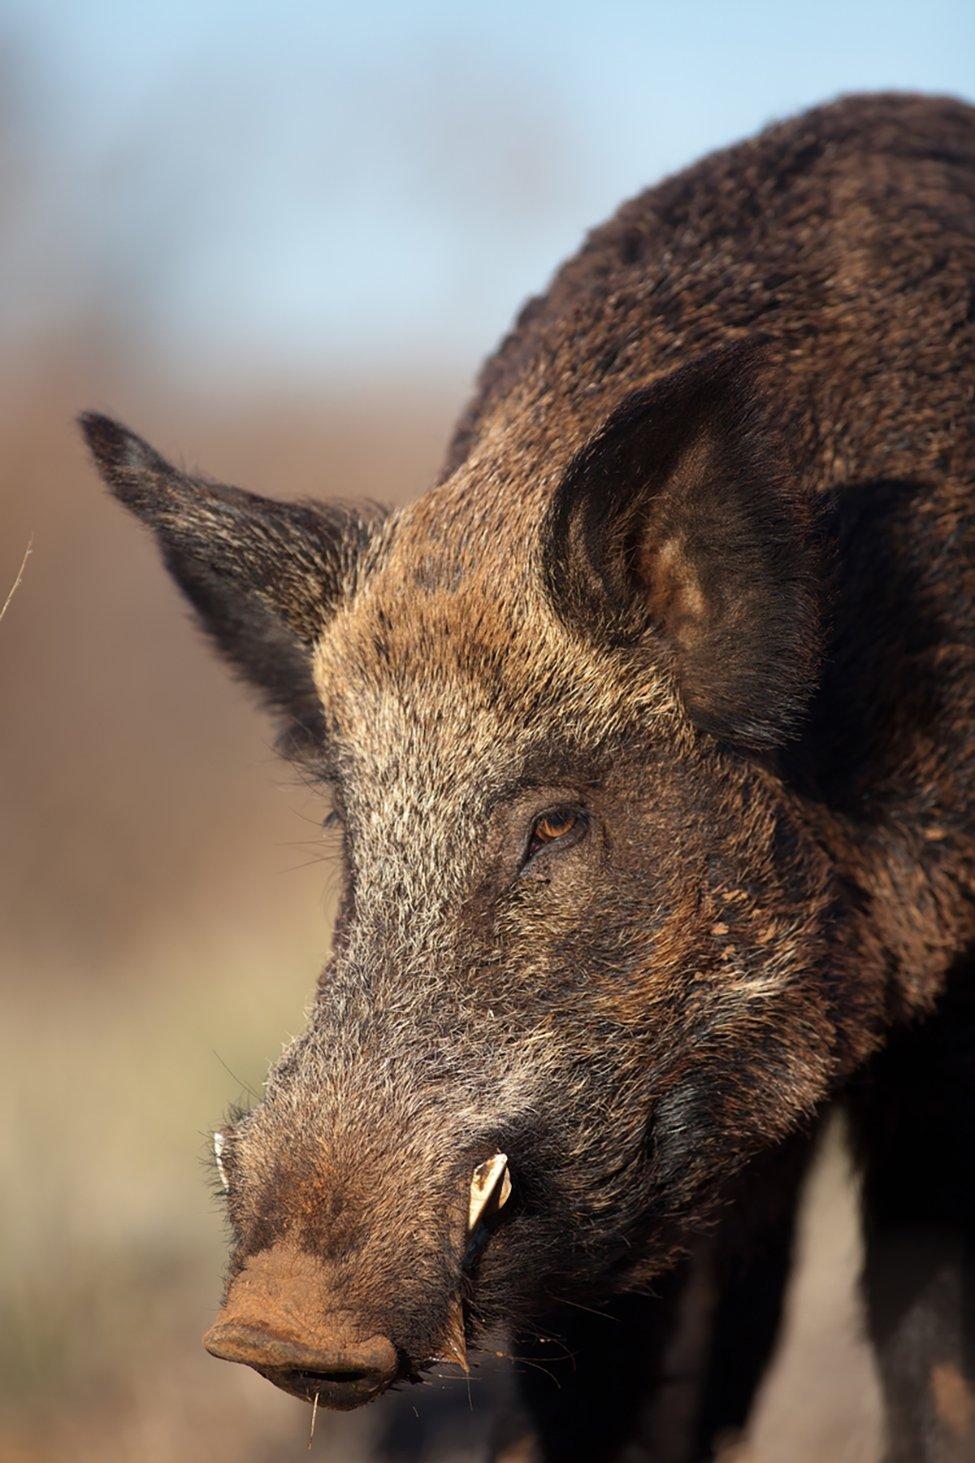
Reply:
x=914, y=1124
x=671, y=1376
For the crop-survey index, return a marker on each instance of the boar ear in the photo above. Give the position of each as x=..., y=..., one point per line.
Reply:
x=677, y=524
x=263, y=576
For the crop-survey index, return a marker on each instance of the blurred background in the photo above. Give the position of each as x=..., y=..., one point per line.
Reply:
x=277, y=240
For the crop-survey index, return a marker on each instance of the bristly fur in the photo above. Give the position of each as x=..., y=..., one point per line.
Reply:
x=715, y=491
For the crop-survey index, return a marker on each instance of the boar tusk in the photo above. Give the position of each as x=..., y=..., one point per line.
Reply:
x=219, y=1144
x=490, y=1180
x=454, y=1349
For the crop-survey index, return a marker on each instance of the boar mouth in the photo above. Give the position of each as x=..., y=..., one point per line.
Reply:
x=338, y=1390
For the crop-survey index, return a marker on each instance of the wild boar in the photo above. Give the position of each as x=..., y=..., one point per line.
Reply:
x=650, y=731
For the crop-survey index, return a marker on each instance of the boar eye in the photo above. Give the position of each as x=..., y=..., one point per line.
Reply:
x=558, y=825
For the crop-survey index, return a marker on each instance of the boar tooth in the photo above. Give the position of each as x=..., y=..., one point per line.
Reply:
x=454, y=1349
x=219, y=1144
x=491, y=1178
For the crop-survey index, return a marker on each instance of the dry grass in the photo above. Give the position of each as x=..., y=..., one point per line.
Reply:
x=17, y=582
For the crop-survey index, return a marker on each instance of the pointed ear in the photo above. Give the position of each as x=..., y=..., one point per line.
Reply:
x=677, y=526
x=263, y=576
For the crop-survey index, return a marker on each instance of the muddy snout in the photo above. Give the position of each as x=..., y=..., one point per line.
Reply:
x=282, y=1318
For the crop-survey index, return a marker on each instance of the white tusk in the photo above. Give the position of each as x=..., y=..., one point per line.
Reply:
x=491, y=1178
x=219, y=1144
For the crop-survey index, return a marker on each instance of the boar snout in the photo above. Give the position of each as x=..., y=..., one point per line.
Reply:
x=289, y=1315
x=278, y=1320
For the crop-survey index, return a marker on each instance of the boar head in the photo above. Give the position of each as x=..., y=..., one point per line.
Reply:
x=579, y=956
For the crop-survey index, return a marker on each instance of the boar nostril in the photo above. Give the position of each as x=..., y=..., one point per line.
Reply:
x=342, y=1375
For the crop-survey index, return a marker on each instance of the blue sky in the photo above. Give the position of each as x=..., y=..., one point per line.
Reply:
x=365, y=185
